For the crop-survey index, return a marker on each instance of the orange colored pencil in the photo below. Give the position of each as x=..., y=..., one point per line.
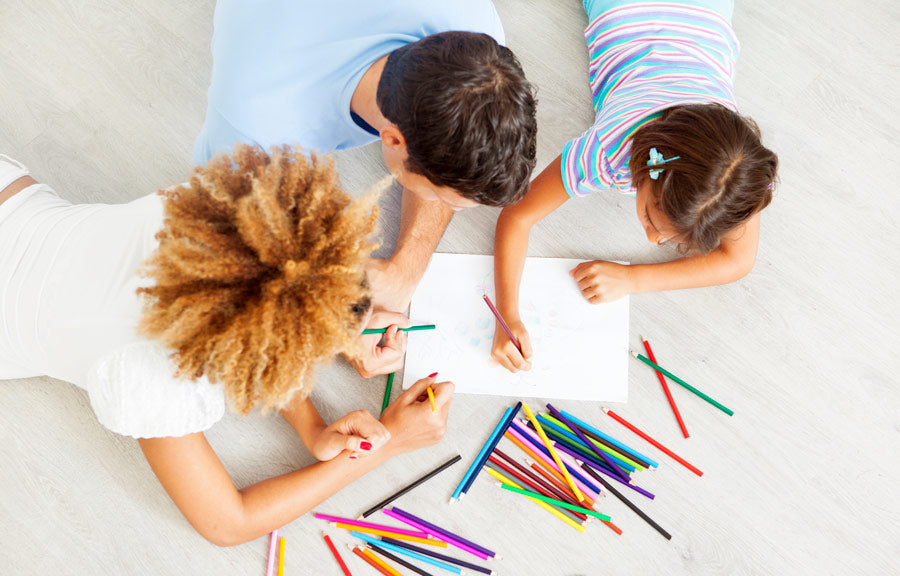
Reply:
x=376, y=562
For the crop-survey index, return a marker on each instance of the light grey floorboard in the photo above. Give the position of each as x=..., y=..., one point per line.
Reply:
x=102, y=99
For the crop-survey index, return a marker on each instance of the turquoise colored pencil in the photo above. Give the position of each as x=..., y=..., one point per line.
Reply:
x=387, y=392
x=678, y=380
x=409, y=329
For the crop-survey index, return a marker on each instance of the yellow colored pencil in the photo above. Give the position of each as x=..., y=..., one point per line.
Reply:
x=543, y=505
x=431, y=397
x=389, y=534
x=388, y=569
x=281, y=557
x=549, y=445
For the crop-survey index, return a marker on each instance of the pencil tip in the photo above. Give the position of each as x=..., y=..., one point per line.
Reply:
x=642, y=338
x=633, y=353
x=605, y=409
x=360, y=517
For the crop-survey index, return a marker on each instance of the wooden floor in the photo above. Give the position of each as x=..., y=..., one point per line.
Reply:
x=102, y=99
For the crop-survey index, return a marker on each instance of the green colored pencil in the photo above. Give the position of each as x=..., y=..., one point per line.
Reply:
x=556, y=502
x=387, y=392
x=675, y=378
x=410, y=329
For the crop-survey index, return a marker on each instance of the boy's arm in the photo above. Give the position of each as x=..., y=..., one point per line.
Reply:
x=545, y=195
x=601, y=281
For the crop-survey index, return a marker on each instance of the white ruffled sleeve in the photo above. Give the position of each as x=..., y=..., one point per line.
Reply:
x=133, y=392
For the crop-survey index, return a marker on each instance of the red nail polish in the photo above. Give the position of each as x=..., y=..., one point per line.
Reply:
x=432, y=375
x=353, y=456
x=365, y=445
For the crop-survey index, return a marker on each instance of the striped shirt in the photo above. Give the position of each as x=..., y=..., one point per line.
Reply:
x=645, y=58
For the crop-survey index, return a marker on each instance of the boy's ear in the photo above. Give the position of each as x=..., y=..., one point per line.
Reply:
x=393, y=138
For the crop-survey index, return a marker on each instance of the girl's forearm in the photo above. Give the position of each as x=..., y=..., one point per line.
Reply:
x=510, y=250
x=698, y=271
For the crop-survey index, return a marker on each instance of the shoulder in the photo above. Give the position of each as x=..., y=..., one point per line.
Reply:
x=134, y=392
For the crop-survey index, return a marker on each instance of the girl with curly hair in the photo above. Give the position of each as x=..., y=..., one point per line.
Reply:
x=226, y=290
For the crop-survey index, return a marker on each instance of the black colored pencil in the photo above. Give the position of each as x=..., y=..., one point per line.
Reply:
x=438, y=555
x=403, y=491
x=625, y=500
x=398, y=560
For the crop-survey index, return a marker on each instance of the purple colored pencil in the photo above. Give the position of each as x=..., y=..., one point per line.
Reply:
x=447, y=539
x=502, y=322
x=438, y=531
x=613, y=466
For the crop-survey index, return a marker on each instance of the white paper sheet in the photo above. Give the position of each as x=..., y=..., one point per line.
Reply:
x=580, y=349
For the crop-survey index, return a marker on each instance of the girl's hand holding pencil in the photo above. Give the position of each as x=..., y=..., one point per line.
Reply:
x=382, y=353
x=359, y=432
x=410, y=419
x=505, y=352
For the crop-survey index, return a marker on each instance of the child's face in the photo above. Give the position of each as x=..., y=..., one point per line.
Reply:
x=657, y=227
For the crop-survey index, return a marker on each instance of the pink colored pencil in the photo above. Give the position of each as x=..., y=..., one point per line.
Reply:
x=393, y=529
x=444, y=537
x=594, y=495
x=273, y=541
x=646, y=437
x=665, y=387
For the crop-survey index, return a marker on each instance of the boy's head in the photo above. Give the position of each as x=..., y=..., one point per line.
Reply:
x=259, y=274
x=466, y=116
x=722, y=176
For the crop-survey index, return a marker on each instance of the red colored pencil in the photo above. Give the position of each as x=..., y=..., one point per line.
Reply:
x=336, y=555
x=637, y=431
x=665, y=387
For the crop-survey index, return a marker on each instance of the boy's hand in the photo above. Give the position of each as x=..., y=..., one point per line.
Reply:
x=601, y=281
x=505, y=353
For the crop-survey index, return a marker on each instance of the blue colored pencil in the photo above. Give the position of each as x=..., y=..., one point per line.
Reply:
x=587, y=442
x=610, y=439
x=494, y=442
x=405, y=552
x=478, y=458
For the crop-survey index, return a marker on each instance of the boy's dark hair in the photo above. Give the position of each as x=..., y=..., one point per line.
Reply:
x=467, y=112
x=723, y=177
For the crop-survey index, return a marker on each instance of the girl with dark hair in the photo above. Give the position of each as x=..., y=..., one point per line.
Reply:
x=666, y=131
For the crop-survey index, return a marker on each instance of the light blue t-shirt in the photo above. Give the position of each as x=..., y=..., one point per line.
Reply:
x=284, y=70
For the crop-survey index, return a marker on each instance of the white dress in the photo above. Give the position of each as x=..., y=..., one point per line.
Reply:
x=69, y=309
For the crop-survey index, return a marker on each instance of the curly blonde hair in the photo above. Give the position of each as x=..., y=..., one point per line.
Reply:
x=259, y=274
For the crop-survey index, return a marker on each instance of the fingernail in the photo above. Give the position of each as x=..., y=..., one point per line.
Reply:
x=365, y=445
x=353, y=456
x=432, y=375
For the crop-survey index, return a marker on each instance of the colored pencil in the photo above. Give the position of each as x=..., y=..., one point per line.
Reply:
x=408, y=553
x=336, y=555
x=665, y=387
x=376, y=532
x=598, y=435
x=562, y=467
x=443, y=534
x=399, y=561
x=559, y=483
x=624, y=462
x=555, y=502
x=438, y=555
x=414, y=533
x=542, y=504
x=560, y=439
x=273, y=544
x=409, y=329
x=502, y=323
x=615, y=468
x=548, y=486
x=481, y=455
x=409, y=487
x=514, y=475
x=608, y=447
x=540, y=456
x=492, y=445
x=530, y=436
x=431, y=398
x=646, y=437
x=376, y=562
x=626, y=501
x=281, y=557
x=387, y=392
x=577, y=517
x=678, y=380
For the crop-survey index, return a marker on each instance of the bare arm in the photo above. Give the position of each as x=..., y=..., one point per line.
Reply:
x=601, y=281
x=199, y=485
x=546, y=194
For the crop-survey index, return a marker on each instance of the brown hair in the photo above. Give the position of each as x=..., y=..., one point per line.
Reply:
x=723, y=176
x=259, y=273
x=467, y=113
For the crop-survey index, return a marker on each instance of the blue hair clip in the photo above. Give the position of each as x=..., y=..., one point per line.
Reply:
x=656, y=159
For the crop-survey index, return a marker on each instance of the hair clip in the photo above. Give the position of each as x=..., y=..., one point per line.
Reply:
x=656, y=159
